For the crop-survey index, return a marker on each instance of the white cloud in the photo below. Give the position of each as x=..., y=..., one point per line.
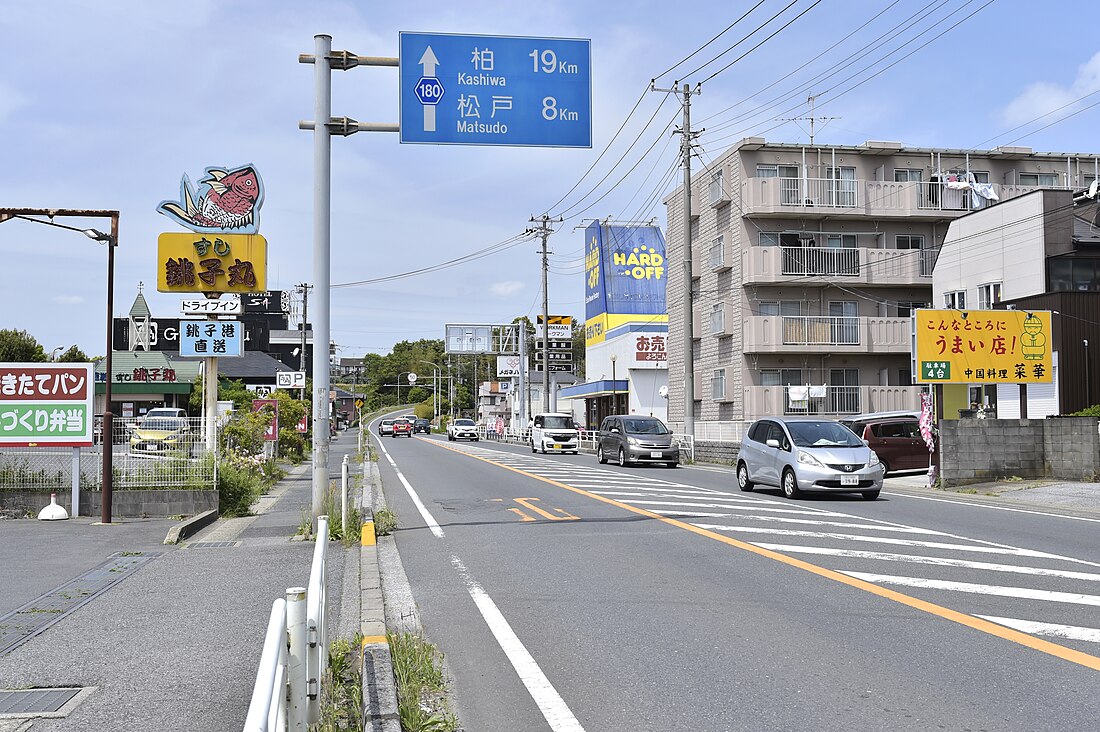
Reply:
x=504, y=289
x=1043, y=96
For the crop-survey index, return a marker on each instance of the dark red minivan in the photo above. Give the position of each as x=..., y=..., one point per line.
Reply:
x=895, y=437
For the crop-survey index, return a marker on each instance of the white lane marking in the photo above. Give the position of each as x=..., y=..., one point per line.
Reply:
x=1069, y=632
x=689, y=514
x=550, y=703
x=1033, y=512
x=1025, y=593
x=935, y=561
x=1012, y=551
x=838, y=524
x=433, y=525
x=740, y=505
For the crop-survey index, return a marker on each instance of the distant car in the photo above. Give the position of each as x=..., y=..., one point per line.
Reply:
x=162, y=435
x=628, y=439
x=462, y=429
x=803, y=454
x=410, y=417
x=164, y=412
x=896, y=439
x=553, y=431
x=402, y=427
x=385, y=427
x=422, y=425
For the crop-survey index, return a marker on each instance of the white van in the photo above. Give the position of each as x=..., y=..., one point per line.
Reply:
x=554, y=431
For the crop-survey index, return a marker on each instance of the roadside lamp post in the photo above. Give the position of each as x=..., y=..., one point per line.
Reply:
x=111, y=240
x=614, y=387
x=436, y=400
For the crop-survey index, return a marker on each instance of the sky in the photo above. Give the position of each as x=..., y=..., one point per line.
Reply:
x=107, y=105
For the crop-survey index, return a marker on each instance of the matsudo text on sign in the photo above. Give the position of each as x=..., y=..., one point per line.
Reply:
x=211, y=262
x=984, y=346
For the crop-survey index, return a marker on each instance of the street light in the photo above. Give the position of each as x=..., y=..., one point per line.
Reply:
x=63, y=349
x=111, y=240
x=436, y=371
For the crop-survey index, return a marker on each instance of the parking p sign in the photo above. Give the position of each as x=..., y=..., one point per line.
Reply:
x=290, y=379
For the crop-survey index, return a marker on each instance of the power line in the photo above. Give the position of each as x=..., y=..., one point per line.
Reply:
x=712, y=40
x=761, y=43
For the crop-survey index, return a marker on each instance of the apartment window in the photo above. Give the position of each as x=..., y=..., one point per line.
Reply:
x=780, y=377
x=906, y=308
x=908, y=175
x=777, y=239
x=717, y=253
x=776, y=171
x=842, y=186
x=718, y=384
x=717, y=318
x=788, y=308
x=989, y=295
x=1048, y=180
x=716, y=193
x=844, y=391
x=837, y=241
x=790, y=185
x=1066, y=274
x=905, y=377
x=955, y=300
x=908, y=241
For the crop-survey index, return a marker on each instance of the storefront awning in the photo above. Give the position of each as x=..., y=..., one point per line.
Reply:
x=605, y=387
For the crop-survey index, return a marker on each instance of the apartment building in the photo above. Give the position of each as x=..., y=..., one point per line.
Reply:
x=807, y=262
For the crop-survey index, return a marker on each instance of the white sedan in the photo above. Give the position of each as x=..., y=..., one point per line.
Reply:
x=385, y=427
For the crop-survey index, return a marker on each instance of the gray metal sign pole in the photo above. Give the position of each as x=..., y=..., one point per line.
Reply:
x=322, y=211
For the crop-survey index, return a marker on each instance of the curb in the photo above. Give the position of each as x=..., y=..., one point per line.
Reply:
x=187, y=528
x=379, y=711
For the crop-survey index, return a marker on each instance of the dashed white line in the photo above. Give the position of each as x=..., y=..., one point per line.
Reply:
x=1053, y=630
x=1026, y=593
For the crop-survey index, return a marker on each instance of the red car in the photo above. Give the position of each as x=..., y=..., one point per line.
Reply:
x=402, y=427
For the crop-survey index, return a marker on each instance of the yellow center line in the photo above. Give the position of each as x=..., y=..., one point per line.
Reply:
x=1000, y=631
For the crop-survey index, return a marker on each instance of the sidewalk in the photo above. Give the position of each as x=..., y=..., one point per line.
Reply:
x=175, y=644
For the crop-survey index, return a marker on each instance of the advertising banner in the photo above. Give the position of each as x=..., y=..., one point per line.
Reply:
x=272, y=432
x=983, y=347
x=508, y=366
x=46, y=404
x=188, y=262
x=624, y=278
x=208, y=338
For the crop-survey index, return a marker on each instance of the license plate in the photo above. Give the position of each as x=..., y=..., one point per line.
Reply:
x=555, y=447
x=655, y=453
x=849, y=480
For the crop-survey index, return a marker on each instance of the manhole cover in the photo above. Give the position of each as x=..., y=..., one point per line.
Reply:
x=53, y=702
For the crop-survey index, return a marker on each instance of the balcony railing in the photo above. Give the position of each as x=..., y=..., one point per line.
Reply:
x=820, y=330
x=820, y=261
x=827, y=401
x=821, y=400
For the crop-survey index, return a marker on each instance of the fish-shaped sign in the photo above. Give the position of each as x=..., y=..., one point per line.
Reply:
x=226, y=200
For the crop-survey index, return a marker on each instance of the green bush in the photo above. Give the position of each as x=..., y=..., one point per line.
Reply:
x=238, y=489
x=1093, y=411
x=292, y=445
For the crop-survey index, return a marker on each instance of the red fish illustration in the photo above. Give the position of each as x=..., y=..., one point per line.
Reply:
x=228, y=201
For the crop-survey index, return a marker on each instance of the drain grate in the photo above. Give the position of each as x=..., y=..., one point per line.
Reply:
x=19, y=626
x=37, y=702
x=213, y=544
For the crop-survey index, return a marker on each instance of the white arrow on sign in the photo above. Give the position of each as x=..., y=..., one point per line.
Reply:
x=429, y=62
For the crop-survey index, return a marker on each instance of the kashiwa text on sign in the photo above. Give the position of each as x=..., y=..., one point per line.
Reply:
x=983, y=346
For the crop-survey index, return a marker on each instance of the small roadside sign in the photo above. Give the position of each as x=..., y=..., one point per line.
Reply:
x=359, y=404
x=210, y=338
x=221, y=306
x=290, y=379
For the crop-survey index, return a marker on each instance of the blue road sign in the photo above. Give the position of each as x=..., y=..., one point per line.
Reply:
x=495, y=90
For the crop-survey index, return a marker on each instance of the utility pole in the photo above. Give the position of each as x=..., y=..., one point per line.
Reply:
x=544, y=230
x=303, y=289
x=687, y=305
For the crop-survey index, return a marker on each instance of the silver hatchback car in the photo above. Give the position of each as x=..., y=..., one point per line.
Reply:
x=805, y=454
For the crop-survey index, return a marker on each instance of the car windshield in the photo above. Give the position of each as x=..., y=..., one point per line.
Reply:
x=552, y=422
x=637, y=426
x=823, y=434
x=464, y=423
x=387, y=421
x=162, y=424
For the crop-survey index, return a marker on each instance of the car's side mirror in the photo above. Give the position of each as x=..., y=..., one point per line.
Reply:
x=772, y=443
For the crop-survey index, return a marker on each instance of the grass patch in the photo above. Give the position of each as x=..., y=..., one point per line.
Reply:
x=384, y=522
x=421, y=689
x=342, y=688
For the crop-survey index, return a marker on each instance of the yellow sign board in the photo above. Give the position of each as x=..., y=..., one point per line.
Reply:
x=191, y=262
x=983, y=347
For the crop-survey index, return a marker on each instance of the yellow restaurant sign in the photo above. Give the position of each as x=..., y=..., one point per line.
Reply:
x=983, y=347
x=191, y=262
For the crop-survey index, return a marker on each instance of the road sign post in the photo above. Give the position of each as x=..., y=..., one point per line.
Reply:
x=495, y=90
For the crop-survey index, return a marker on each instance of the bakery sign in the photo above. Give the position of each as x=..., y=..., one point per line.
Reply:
x=651, y=348
x=46, y=404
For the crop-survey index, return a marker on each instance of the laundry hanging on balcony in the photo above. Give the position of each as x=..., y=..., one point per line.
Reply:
x=798, y=397
x=982, y=193
x=817, y=392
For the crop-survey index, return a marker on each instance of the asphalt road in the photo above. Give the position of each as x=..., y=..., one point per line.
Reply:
x=568, y=595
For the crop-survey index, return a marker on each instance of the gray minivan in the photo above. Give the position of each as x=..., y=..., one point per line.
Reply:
x=629, y=438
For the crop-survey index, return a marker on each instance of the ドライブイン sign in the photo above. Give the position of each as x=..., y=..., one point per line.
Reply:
x=495, y=90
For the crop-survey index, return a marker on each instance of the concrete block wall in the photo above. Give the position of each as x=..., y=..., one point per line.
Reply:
x=976, y=450
x=716, y=452
x=124, y=503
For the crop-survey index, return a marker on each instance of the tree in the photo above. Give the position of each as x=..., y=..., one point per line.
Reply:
x=19, y=346
x=73, y=355
x=578, y=348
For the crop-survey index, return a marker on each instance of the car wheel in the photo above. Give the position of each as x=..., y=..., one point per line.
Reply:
x=533, y=446
x=885, y=467
x=743, y=481
x=600, y=456
x=622, y=458
x=476, y=439
x=869, y=495
x=790, y=485
x=672, y=465
x=450, y=438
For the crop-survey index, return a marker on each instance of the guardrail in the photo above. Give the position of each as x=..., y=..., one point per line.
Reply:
x=287, y=692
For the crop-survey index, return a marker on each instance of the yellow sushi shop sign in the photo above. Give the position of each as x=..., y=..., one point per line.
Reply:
x=983, y=347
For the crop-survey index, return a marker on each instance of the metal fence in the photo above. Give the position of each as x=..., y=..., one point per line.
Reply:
x=155, y=453
x=287, y=692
